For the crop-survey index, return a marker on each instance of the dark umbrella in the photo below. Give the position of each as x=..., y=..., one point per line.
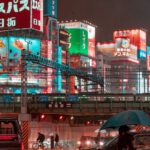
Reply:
x=130, y=117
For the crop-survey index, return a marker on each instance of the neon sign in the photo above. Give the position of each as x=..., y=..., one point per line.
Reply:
x=16, y=14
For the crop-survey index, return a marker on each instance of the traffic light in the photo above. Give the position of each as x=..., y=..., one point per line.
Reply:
x=42, y=117
x=62, y=117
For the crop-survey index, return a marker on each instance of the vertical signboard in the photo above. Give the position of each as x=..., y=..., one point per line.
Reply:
x=78, y=41
x=21, y=14
x=91, y=41
x=37, y=15
x=148, y=57
x=49, y=70
x=3, y=54
x=50, y=8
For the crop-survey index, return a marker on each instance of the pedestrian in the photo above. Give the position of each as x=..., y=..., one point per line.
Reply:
x=125, y=140
x=52, y=141
x=56, y=139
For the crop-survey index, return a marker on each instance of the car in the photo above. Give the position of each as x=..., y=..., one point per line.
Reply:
x=86, y=143
x=10, y=134
x=141, y=142
x=100, y=141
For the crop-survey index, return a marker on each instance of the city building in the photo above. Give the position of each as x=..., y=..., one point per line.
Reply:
x=64, y=44
x=82, y=54
x=37, y=34
x=127, y=58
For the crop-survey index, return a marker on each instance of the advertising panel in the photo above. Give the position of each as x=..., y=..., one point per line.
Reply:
x=90, y=34
x=71, y=25
x=10, y=55
x=18, y=14
x=124, y=49
x=16, y=44
x=50, y=8
x=49, y=70
x=37, y=15
x=107, y=48
x=137, y=37
x=91, y=41
x=3, y=48
x=148, y=57
x=58, y=78
x=78, y=41
x=3, y=54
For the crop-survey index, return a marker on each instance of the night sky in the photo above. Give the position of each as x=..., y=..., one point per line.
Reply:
x=108, y=15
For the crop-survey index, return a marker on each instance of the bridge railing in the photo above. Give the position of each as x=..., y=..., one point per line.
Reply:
x=76, y=108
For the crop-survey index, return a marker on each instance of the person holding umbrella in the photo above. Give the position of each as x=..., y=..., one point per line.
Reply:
x=125, y=140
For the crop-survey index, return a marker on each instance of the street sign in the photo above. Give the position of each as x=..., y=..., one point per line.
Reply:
x=55, y=104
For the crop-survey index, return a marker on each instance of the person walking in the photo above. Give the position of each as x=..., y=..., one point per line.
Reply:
x=125, y=140
x=56, y=140
x=52, y=141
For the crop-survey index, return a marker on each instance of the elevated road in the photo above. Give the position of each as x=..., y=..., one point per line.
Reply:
x=76, y=108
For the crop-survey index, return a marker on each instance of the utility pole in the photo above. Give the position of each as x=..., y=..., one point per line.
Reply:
x=24, y=117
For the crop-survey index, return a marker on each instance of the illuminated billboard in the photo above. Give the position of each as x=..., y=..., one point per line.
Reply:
x=21, y=14
x=3, y=48
x=16, y=44
x=137, y=37
x=10, y=55
x=78, y=41
x=91, y=41
x=50, y=8
x=125, y=49
x=148, y=57
x=107, y=48
x=90, y=35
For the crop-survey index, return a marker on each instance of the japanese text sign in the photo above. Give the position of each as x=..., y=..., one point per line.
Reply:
x=18, y=14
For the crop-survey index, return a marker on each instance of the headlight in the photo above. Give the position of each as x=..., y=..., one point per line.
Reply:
x=88, y=142
x=79, y=142
x=101, y=143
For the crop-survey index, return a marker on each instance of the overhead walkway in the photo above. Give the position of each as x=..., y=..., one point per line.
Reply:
x=63, y=68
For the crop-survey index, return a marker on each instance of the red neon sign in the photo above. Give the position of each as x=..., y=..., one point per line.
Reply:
x=17, y=14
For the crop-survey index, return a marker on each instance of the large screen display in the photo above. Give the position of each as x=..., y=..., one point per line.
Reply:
x=78, y=41
x=18, y=14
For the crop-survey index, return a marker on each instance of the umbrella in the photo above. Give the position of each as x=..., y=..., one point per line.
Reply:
x=129, y=117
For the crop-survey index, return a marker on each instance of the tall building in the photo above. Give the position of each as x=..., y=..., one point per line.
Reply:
x=127, y=58
x=82, y=54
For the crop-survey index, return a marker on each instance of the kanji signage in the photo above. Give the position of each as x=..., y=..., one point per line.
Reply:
x=50, y=8
x=18, y=14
